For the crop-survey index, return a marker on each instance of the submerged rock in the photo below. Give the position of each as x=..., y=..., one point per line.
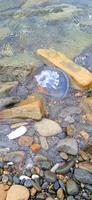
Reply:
x=72, y=187
x=32, y=108
x=68, y=145
x=83, y=176
x=47, y=127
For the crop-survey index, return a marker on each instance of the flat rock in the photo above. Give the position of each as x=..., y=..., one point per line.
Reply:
x=83, y=176
x=47, y=127
x=31, y=108
x=68, y=145
x=17, y=192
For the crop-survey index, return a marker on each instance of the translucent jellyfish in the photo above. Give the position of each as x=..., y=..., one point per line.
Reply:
x=51, y=82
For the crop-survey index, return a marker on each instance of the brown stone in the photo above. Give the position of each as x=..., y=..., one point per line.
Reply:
x=25, y=141
x=85, y=165
x=71, y=130
x=20, y=155
x=85, y=135
x=17, y=192
x=33, y=192
x=60, y=194
x=84, y=155
x=31, y=108
x=35, y=148
x=80, y=75
x=3, y=191
x=86, y=105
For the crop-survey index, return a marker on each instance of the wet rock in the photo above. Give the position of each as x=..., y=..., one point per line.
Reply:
x=68, y=145
x=17, y=192
x=47, y=127
x=72, y=187
x=50, y=177
x=44, y=143
x=25, y=141
x=61, y=61
x=15, y=156
x=83, y=176
x=35, y=148
x=60, y=194
x=3, y=191
x=66, y=167
x=31, y=108
x=85, y=165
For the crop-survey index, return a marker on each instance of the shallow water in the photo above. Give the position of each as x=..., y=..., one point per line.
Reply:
x=25, y=26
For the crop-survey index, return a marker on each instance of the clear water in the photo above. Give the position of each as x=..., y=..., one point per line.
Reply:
x=26, y=25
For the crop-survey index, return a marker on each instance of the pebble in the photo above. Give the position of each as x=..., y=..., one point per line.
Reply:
x=16, y=180
x=66, y=167
x=60, y=194
x=44, y=143
x=33, y=191
x=83, y=176
x=40, y=157
x=35, y=176
x=50, y=177
x=17, y=192
x=28, y=183
x=72, y=187
x=56, y=185
x=71, y=130
x=84, y=155
x=35, y=148
x=70, y=198
x=89, y=187
x=45, y=185
x=25, y=141
x=40, y=196
x=55, y=167
x=45, y=165
x=49, y=198
x=17, y=133
x=68, y=145
x=15, y=156
x=47, y=127
x=64, y=155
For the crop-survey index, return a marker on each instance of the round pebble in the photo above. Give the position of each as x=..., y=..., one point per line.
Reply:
x=28, y=183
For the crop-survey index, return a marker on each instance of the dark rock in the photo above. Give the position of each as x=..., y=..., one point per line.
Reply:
x=89, y=187
x=45, y=186
x=83, y=176
x=28, y=172
x=65, y=168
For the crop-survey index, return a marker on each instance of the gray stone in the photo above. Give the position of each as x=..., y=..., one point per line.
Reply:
x=50, y=176
x=70, y=198
x=83, y=176
x=72, y=187
x=66, y=168
x=68, y=145
x=45, y=165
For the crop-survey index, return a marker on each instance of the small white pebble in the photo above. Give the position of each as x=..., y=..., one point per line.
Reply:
x=17, y=133
x=35, y=176
x=55, y=167
x=10, y=163
x=24, y=177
